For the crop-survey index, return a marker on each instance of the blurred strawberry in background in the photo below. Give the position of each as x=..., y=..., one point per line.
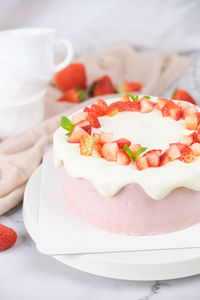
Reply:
x=180, y=94
x=127, y=87
x=74, y=95
x=102, y=86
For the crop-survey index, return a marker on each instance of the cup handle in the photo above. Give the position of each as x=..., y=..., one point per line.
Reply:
x=69, y=54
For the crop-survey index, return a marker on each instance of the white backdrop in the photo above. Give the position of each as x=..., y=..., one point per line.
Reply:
x=92, y=25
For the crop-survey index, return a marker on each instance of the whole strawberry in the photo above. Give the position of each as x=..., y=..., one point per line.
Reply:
x=8, y=237
x=102, y=86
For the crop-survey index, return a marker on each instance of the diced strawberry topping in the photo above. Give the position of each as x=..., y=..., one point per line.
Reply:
x=141, y=163
x=96, y=152
x=146, y=105
x=183, y=105
x=125, y=98
x=97, y=109
x=75, y=136
x=87, y=109
x=191, y=122
x=187, y=156
x=190, y=110
x=164, y=159
x=103, y=105
x=85, y=125
x=135, y=147
x=166, y=109
x=181, y=147
x=109, y=151
x=173, y=152
x=93, y=119
x=80, y=116
x=196, y=149
x=123, y=158
x=86, y=145
x=122, y=142
x=161, y=103
x=128, y=106
x=153, y=158
x=112, y=109
x=176, y=113
x=186, y=139
x=105, y=137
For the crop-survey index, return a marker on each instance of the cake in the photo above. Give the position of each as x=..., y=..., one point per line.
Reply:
x=131, y=165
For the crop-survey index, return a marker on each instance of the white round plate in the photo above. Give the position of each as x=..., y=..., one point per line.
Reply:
x=138, y=265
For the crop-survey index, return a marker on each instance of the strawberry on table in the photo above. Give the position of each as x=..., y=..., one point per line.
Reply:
x=141, y=163
x=102, y=86
x=8, y=237
x=109, y=151
x=122, y=142
x=122, y=158
x=180, y=94
x=76, y=134
x=93, y=119
x=86, y=145
x=73, y=76
x=128, y=87
x=153, y=158
x=74, y=95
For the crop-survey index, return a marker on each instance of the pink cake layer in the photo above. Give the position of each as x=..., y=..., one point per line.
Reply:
x=131, y=211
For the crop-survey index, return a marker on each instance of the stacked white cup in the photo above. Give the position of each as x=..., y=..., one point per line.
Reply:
x=26, y=68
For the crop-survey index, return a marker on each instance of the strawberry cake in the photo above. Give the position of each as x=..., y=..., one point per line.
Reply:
x=131, y=165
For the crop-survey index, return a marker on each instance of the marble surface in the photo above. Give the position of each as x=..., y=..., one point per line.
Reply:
x=27, y=274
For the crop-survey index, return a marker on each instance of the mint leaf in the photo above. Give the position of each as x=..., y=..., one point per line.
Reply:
x=147, y=97
x=140, y=151
x=66, y=124
x=129, y=152
x=134, y=98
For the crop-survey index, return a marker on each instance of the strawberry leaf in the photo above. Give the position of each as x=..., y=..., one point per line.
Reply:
x=140, y=151
x=66, y=124
x=81, y=93
x=134, y=98
x=129, y=152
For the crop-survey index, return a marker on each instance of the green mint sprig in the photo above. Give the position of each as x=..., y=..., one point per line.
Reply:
x=131, y=154
x=134, y=98
x=147, y=97
x=66, y=124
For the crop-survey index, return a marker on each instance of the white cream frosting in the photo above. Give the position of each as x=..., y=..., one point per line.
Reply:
x=150, y=130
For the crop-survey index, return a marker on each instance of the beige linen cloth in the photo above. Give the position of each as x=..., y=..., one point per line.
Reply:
x=20, y=155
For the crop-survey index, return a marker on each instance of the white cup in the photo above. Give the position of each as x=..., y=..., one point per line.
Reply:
x=32, y=50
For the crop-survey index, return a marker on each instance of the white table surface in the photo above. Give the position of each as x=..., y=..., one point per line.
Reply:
x=24, y=272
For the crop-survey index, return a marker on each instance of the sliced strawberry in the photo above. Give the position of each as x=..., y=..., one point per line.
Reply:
x=103, y=105
x=183, y=95
x=93, y=119
x=75, y=136
x=122, y=158
x=141, y=163
x=85, y=125
x=122, y=142
x=166, y=109
x=105, y=137
x=195, y=137
x=125, y=98
x=112, y=109
x=186, y=139
x=109, y=151
x=77, y=117
x=153, y=158
x=164, y=159
x=196, y=149
x=146, y=105
x=191, y=122
x=191, y=110
x=173, y=152
x=96, y=152
x=86, y=145
x=127, y=87
x=176, y=113
x=97, y=109
x=128, y=106
x=183, y=105
x=161, y=102
x=187, y=156
x=198, y=136
x=96, y=137
x=135, y=147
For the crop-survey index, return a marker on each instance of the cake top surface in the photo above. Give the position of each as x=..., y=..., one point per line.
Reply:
x=151, y=131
